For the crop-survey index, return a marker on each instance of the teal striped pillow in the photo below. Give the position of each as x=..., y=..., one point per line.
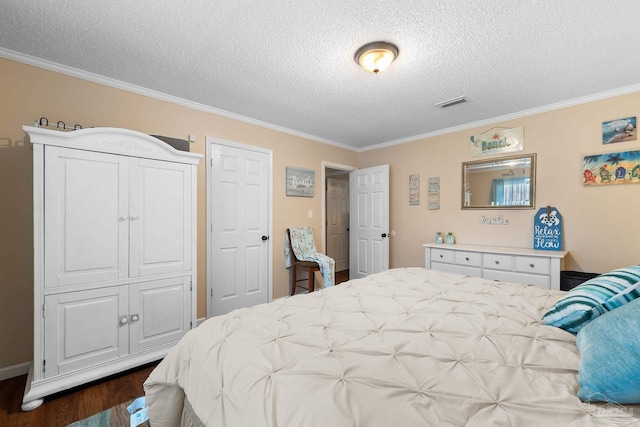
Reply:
x=594, y=297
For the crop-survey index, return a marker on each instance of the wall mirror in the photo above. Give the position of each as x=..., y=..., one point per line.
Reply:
x=502, y=183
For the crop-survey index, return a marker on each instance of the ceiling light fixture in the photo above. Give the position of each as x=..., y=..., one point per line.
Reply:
x=376, y=56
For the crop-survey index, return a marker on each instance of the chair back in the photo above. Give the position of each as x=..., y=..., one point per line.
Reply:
x=301, y=241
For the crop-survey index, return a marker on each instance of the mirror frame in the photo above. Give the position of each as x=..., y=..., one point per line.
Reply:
x=532, y=188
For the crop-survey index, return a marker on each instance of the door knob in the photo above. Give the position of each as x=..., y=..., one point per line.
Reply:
x=124, y=320
x=384, y=234
x=265, y=238
x=135, y=318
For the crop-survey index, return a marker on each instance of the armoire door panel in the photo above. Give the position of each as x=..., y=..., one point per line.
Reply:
x=84, y=329
x=160, y=217
x=85, y=220
x=159, y=312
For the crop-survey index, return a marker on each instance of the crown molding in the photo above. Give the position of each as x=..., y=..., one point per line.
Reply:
x=117, y=84
x=546, y=108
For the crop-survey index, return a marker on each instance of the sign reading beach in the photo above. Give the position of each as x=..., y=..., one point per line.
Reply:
x=495, y=141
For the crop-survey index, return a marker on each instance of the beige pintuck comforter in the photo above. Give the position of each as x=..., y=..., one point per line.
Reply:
x=406, y=347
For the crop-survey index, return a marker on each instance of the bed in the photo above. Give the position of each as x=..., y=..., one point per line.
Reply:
x=405, y=347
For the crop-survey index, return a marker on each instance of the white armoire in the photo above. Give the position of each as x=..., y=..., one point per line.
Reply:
x=114, y=254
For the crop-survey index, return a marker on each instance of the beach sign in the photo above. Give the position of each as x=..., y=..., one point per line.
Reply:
x=547, y=229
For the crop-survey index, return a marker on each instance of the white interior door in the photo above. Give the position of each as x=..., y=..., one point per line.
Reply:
x=338, y=222
x=239, y=198
x=369, y=221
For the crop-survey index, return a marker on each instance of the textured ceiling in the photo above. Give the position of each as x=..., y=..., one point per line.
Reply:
x=289, y=64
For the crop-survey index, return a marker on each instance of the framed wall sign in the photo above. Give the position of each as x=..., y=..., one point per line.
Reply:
x=547, y=229
x=496, y=141
x=300, y=182
x=414, y=190
x=434, y=193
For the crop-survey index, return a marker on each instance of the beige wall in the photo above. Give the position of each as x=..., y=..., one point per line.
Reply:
x=601, y=230
x=28, y=93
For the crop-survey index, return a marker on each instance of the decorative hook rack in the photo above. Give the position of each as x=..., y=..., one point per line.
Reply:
x=60, y=125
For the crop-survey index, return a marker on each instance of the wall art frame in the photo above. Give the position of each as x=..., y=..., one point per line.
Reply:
x=619, y=130
x=414, y=190
x=300, y=182
x=621, y=167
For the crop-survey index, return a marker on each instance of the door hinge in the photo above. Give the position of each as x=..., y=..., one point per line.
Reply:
x=43, y=311
x=44, y=365
x=191, y=285
x=191, y=325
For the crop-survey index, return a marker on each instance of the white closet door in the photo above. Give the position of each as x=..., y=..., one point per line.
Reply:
x=159, y=312
x=239, y=196
x=86, y=220
x=160, y=217
x=85, y=328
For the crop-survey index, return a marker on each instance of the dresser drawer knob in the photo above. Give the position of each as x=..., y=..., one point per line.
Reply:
x=467, y=258
x=497, y=262
x=441, y=256
x=531, y=265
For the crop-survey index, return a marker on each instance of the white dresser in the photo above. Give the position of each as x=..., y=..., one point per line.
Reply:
x=519, y=265
x=114, y=254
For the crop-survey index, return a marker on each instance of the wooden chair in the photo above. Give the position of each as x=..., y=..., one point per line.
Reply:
x=309, y=266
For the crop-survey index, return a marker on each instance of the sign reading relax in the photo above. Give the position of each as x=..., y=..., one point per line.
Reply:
x=547, y=229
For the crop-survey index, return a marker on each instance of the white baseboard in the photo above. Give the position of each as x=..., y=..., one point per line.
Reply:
x=14, y=371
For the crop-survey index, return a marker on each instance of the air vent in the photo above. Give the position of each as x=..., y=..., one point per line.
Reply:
x=451, y=102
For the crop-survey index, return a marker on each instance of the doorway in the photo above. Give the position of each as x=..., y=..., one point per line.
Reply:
x=335, y=221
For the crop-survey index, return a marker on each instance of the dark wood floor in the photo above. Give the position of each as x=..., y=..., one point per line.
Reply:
x=67, y=407
x=342, y=276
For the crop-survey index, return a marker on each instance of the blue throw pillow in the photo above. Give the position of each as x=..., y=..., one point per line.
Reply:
x=593, y=298
x=610, y=357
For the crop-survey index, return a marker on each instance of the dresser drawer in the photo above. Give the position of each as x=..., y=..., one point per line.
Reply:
x=540, y=281
x=470, y=259
x=457, y=269
x=532, y=265
x=497, y=262
x=442, y=255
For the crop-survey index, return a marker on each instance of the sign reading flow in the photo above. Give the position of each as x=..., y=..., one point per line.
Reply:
x=547, y=229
